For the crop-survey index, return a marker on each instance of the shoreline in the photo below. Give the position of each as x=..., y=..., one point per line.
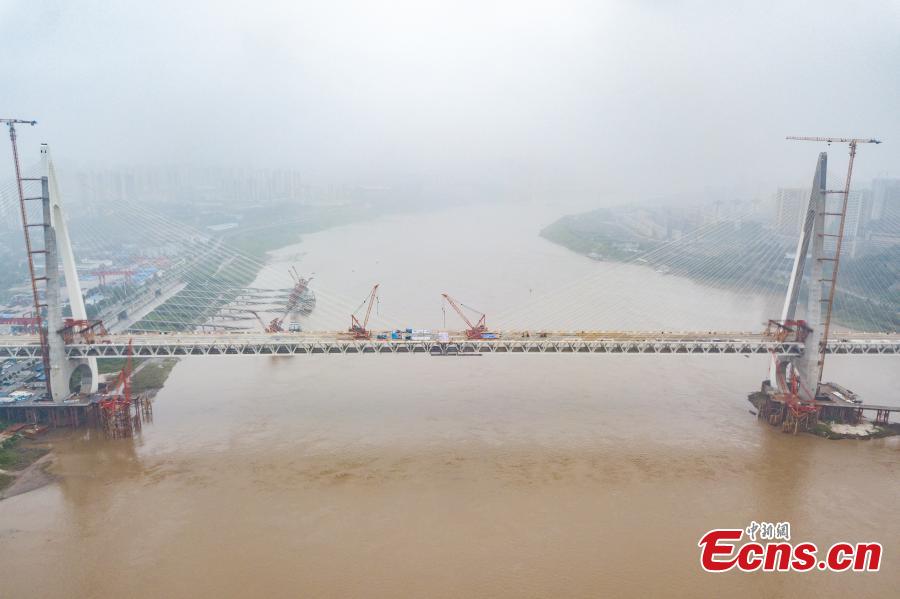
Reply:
x=36, y=474
x=863, y=430
x=25, y=462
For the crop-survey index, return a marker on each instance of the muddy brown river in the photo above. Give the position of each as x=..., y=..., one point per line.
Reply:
x=492, y=476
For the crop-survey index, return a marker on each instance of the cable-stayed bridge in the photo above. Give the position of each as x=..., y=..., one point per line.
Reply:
x=201, y=305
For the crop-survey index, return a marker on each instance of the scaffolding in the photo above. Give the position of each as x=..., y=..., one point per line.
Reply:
x=121, y=413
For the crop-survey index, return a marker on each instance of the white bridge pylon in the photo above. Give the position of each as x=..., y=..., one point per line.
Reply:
x=809, y=364
x=57, y=238
x=813, y=331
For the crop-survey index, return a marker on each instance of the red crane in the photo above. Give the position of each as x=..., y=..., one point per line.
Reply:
x=475, y=331
x=28, y=323
x=272, y=327
x=84, y=331
x=120, y=395
x=293, y=302
x=358, y=329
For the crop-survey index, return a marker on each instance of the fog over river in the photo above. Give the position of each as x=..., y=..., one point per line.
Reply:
x=500, y=475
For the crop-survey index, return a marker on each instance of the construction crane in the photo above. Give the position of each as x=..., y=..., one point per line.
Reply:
x=272, y=327
x=358, y=329
x=29, y=250
x=474, y=331
x=276, y=325
x=84, y=331
x=841, y=140
x=297, y=291
x=836, y=261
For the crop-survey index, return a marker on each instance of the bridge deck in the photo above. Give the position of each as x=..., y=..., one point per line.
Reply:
x=516, y=342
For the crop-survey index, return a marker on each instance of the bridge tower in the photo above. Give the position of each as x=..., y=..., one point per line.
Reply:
x=59, y=248
x=825, y=262
x=807, y=365
x=58, y=369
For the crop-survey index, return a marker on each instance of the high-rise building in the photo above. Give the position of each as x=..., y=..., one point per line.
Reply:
x=9, y=203
x=886, y=201
x=859, y=211
x=790, y=204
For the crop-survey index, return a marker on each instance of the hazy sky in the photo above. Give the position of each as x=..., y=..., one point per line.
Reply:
x=621, y=97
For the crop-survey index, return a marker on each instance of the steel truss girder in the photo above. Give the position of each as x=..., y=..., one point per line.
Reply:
x=167, y=348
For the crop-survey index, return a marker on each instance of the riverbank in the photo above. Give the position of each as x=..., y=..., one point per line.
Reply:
x=23, y=464
x=150, y=376
x=866, y=299
x=236, y=258
x=858, y=427
x=26, y=465
x=861, y=431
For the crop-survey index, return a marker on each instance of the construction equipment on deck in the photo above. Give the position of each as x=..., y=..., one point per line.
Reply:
x=82, y=331
x=358, y=329
x=474, y=331
x=294, y=301
x=272, y=327
x=29, y=324
x=782, y=330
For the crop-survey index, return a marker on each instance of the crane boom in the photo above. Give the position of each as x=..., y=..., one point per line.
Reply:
x=845, y=140
x=358, y=329
x=272, y=327
x=474, y=331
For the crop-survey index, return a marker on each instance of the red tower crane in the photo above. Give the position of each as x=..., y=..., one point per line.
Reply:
x=358, y=329
x=29, y=247
x=475, y=331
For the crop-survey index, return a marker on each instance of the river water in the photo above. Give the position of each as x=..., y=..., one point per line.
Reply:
x=509, y=476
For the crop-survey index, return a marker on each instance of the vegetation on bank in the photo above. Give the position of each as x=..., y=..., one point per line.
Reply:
x=15, y=456
x=153, y=376
x=593, y=235
x=868, y=297
x=232, y=262
x=110, y=365
x=150, y=377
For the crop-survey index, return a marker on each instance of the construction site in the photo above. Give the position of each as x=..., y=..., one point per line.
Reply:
x=794, y=397
x=70, y=393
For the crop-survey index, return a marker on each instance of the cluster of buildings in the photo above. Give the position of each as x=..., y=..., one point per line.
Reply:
x=670, y=223
x=161, y=185
x=873, y=215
